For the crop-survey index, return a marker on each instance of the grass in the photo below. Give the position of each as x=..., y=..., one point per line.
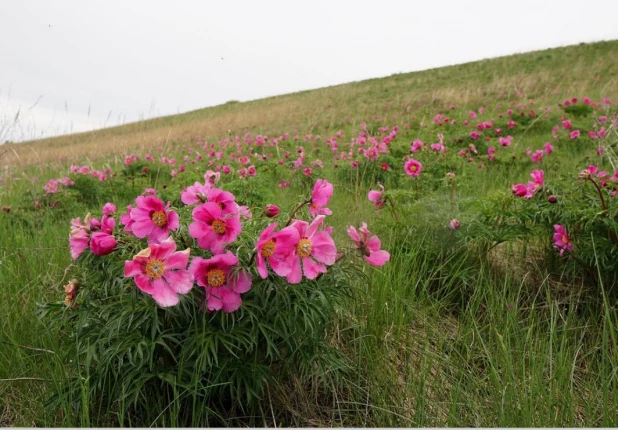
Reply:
x=440, y=336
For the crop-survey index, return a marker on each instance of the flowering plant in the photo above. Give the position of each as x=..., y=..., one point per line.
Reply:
x=206, y=295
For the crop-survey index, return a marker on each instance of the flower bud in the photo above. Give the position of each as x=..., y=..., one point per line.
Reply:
x=552, y=199
x=454, y=224
x=271, y=211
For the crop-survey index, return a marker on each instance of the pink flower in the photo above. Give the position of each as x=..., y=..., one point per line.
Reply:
x=222, y=280
x=103, y=242
x=271, y=211
x=417, y=145
x=376, y=197
x=307, y=171
x=413, y=167
x=79, y=236
x=369, y=247
x=561, y=239
x=276, y=248
x=454, y=224
x=574, y=134
x=322, y=192
x=548, y=148
x=51, y=187
x=566, y=124
x=212, y=178
x=195, y=193
x=251, y=170
x=537, y=157
x=151, y=219
x=109, y=209
x=538, y=177
x=315, y=249
x=161, y=272
x=213, y=227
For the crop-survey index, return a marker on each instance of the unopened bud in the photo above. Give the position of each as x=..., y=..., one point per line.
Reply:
x=271, y=211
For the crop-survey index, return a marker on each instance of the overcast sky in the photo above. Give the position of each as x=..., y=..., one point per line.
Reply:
x=78, y=65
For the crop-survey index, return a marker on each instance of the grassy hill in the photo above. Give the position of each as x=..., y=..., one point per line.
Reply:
x=544, y=76
x=498, y=305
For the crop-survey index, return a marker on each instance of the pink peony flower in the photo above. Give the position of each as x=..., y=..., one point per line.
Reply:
x=276, y=248
x=454, y=224
x=103, y=242
x=222, y=281
x=161, y=272
x=413, y=167
x=195, y=193
x=79, y=236
x=151, y=219
x=369, y=247
x=315, y=249
x=322, y=192
x=377, y=197
x=566, y=124
x=574, y=134
x=271, y=211
x=548, y=148
x=214, y=227
x=109, y=209
x=562, y=241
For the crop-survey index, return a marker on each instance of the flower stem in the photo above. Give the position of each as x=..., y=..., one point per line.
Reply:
x=600, y=194
x=390, y=201
x=296, y=210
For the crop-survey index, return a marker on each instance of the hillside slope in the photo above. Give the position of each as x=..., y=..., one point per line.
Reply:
x=547, y=75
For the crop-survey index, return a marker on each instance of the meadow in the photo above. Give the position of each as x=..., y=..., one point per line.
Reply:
x=145, y=283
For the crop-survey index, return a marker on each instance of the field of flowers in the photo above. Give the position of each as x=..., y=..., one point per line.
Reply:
x=443, y=262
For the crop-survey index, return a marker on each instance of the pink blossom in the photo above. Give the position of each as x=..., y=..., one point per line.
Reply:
x=79, y=236
x=574, y=134
x=271, y=211
x=369, y=247
x=214, y=227
x=548, y=148
x=103, y=242
x=222, y=280
x=417, y=145
x=195, y=193
x=454, y=224
x=315, y=249
x=562, y=241
x=51, y=187
x=276, y=248
x=537, y=157
x=161, y=272
x=413, y=167
x=566, y=124
x=151, y=219
x=109, y=209
x=377, y=197
x=212, y=178
x=320, y=197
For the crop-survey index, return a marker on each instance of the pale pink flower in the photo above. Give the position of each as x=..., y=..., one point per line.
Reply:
x=195, y=193
x=276, y=248
x=79, y=236
x=161, y=272
x=377, y=197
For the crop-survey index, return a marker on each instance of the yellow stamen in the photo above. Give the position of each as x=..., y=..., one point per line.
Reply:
x=268, y=249
x=304, y=248
x=155, y=269
x=216, y=277
x=159, y=218
x=218, y=226
x=565, y=239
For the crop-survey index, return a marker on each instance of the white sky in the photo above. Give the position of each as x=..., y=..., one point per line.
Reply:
x=114, y=61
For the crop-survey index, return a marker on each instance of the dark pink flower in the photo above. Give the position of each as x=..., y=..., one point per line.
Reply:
x=369, y=246
x=315, y=249
x=222, y=280
x=214, y=227
x=562, y=241
x=161, y=272
x=322, y=192
x=413, y=167
x=109, y=209
x=151, y=219
x=103, y=242
x=271, y=211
